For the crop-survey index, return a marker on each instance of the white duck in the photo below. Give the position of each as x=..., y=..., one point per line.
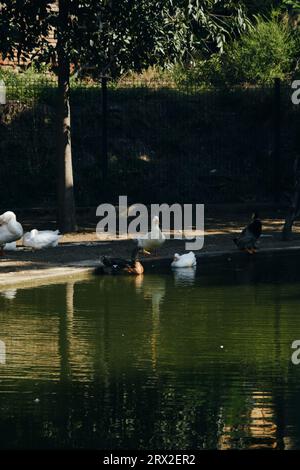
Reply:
x=10, y=229
x=152, y=240
x=184, y=261
x=41, y=239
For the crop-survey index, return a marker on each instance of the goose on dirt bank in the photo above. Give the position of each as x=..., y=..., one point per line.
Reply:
x=152, y=240
x=187, y=260
x=249, y=236
x=41, y=239
x=10, y=229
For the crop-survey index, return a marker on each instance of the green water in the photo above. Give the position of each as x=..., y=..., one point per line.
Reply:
x=157, y=362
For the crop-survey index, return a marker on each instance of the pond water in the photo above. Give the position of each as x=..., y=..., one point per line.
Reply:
x=170, y=361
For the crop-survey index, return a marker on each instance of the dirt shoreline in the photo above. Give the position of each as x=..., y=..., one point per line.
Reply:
x=83, y=247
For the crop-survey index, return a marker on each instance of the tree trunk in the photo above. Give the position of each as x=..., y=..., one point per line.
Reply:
x=295, y=206
x=292, y=215
x=66, y=203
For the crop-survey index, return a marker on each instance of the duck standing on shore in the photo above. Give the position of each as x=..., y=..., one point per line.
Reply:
x=152, y=240
x=10, y=229
x=247, y=241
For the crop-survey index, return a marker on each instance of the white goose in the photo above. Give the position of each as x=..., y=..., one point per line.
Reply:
x=10, y=229
x=184, y=261
x=41, y=239
x=152, y=240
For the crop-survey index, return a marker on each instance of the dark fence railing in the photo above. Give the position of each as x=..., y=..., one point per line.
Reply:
x=161, y=144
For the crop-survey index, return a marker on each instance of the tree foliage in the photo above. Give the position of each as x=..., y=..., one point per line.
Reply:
x=23, y=27
x=118, y=35
x=134, y=35
x=114, y=36
x=265, y=52
x=294, y=4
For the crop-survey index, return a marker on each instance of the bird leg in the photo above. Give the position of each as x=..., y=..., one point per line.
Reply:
x=1, y=251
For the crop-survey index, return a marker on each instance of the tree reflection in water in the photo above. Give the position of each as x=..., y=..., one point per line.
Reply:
x=137, y=362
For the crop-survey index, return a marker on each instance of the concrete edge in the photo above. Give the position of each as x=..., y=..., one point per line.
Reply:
x=39, y=277
x=84, y=269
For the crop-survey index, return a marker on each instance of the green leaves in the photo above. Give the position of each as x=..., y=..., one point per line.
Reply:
x=114, y=36
x=295, y=4
x=22, y=26
x=211, y=23
x=266, y=52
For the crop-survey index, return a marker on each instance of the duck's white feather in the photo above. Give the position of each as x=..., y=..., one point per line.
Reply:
x=184, y=261
x=12, y=246
x=10, y=229
x=153, y=239
x=41, y=239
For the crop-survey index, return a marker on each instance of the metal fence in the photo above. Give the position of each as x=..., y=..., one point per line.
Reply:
x=160, y=144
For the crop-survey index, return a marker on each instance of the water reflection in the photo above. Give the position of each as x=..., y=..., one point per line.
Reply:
x=9, y=294
x=136, y=363
x=153, y=288
x=263, y=429
x=2, y=352
x=185, y=276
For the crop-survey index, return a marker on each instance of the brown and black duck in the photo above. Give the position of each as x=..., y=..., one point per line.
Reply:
x=247, y=241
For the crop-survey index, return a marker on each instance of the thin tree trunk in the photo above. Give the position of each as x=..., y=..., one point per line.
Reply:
x=66, y=203
x=292, y=215
x=294, y=210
